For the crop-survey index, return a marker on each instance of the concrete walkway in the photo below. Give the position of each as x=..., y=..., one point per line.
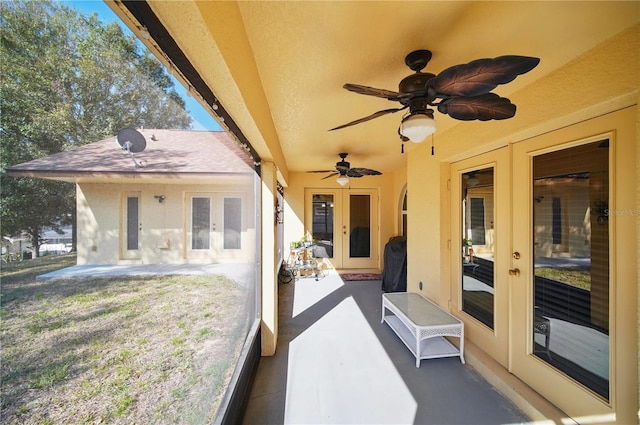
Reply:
x=242, y=273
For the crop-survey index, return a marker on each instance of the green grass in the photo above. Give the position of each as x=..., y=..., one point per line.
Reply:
x=50, y=375
x=115, y=350
x=578, y=277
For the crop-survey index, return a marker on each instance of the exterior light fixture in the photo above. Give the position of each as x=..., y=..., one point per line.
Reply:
x=418, y=125
x=342, y=180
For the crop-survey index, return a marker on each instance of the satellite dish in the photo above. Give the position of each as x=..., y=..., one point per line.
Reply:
x=132, y=141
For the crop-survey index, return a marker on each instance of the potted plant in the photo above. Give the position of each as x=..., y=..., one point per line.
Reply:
x=466, y=243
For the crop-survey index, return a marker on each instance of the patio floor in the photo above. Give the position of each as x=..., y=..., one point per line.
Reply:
x=336, y=363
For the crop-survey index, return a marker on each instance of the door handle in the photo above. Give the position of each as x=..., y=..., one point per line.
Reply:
x=514, y=272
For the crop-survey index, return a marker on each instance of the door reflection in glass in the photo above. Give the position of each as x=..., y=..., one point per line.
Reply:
x=478, y=245
x=571, y=264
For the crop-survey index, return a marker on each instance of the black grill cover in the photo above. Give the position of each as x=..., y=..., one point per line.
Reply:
x=394, y=273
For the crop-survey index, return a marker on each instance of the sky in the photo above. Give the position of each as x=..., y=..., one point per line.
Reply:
x=202, y=120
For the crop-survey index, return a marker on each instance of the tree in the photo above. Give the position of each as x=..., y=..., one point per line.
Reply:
x=68, y=79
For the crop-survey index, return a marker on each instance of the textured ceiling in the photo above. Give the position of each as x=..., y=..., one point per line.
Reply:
x=284, y=63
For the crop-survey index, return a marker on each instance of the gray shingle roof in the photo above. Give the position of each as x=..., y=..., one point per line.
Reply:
x=168, y=152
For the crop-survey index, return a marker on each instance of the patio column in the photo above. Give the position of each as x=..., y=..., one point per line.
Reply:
x=269, y=323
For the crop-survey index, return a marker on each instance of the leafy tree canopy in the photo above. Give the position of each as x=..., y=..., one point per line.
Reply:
x=68, y=79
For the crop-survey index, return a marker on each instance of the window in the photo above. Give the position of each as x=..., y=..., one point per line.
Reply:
x=200, y=223
x=132, y=223
x=232, y=223
x=477, y=221
x=556, y=226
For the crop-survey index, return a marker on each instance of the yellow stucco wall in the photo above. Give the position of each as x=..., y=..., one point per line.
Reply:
x=598, y=92
x=162, y=238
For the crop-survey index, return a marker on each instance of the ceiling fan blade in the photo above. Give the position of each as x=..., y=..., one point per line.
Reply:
x=320, y=171
x=481, y=76
x=488, y=106
x=372, y=91
x=359, y=172
x=370, y=117
x=330, y=175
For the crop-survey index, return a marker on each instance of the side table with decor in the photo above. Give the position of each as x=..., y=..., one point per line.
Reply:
x=300, y=262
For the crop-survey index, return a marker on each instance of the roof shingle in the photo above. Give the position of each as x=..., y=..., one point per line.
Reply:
x=168, y=152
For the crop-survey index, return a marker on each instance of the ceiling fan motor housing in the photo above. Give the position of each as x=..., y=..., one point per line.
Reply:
x=415, y=82
x=343, y=166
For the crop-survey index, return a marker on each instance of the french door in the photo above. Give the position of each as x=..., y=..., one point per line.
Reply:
x=344, y=224
x=214, y=226
x=575, y=272
x=480, y=190
x=559, y=307
x=130, y=226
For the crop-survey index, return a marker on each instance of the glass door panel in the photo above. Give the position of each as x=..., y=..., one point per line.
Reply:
x=477, y=210
x=570, y=239
x=322, y=221
x=360, y=229
x=132, y=223
x=359, y=226
x=200, y=223
x=130, y=226
x=232, y=216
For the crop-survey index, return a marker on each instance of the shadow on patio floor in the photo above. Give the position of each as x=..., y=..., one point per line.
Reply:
x=336, y=363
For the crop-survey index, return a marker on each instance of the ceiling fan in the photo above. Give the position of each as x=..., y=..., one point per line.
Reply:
x=344, y=171
x=461, y=91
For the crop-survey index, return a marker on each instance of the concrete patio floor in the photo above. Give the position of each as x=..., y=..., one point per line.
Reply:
x=337, y=364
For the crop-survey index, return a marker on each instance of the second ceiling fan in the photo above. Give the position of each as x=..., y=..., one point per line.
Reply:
x=461, y=91
x=344, y=171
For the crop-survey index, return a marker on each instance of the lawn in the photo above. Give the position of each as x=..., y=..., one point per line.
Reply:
x=116, y=350
x=576, y=276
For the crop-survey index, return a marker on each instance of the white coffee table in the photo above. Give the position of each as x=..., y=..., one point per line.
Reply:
x=422, y=326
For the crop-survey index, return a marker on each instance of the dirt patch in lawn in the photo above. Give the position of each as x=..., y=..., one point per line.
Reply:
x=118, y=350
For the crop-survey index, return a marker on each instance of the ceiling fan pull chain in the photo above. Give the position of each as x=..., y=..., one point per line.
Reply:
x=432, y=149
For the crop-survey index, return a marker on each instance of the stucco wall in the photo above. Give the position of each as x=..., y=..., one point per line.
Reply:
x=162, y=235
x=595, y=94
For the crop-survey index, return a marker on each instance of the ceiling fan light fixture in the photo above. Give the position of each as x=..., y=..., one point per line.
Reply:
x=417, y=126
x=472, y=182
x=342, y=180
